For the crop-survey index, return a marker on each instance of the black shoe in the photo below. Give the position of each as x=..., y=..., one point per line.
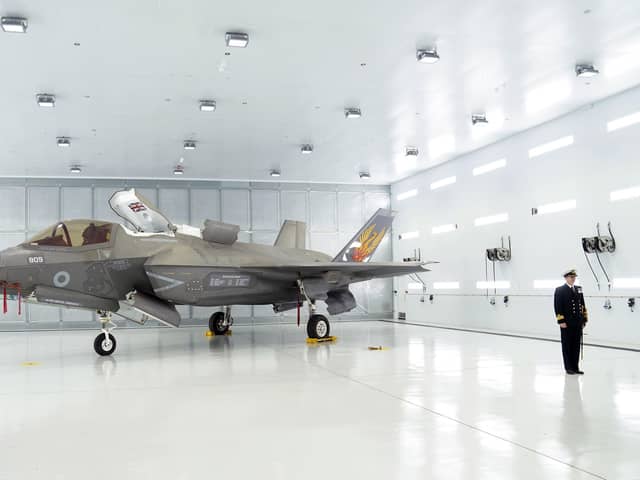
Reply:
x=580, y=372
x=571, y=372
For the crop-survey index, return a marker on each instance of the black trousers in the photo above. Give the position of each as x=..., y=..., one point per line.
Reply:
x=571, y=338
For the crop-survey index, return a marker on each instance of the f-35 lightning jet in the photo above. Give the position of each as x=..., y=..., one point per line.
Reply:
x=144, y=270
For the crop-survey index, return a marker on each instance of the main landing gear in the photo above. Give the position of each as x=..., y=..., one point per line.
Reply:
x=318, y=325
x=105, y=343
x=220, y=322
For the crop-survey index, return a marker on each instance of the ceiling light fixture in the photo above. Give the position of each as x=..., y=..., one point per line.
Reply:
x=64, y=142
x=236, y=39
x=479, y=119
x=306, y=149
x=14, y=24
x=207, y=105
x=75, y=169
x=189, y=145
x=274, y=173
x=46, y=100
x=178, y=170
x=586, y=71
x=365, y=175
x=427, y=55
x=352, y=113
x=411, y=151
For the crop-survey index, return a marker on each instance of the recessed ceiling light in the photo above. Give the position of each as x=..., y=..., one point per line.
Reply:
x=411, y=151
x=274, y=173
x=207, y=105
x=427, y=55
x=46, y=100
x=64, y=142
x=586, y=71
x=178, y=170
x=14, y=24
x=365, y=175
x=352, y=113
x=306, y=149
x=189, y=145
x=479, y=119
x=75, y=169
x=235, y=39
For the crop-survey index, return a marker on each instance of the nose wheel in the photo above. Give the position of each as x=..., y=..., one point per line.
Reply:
x=105, y=343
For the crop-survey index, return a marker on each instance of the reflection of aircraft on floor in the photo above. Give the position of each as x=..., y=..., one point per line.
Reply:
x=144, y=272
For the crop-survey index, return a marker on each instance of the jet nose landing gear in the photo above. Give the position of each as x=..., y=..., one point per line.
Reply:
x=105, y=343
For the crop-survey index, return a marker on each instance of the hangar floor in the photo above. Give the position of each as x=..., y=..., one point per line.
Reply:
x=433, y=404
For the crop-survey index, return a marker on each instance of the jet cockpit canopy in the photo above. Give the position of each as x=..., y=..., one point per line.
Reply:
x=73, y=233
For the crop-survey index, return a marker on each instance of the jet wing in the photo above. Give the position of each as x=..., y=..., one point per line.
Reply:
x=139, y=212
x=357, y=271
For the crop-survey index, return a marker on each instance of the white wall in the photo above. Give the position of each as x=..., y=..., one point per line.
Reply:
x=543, y=246
x=333, y=215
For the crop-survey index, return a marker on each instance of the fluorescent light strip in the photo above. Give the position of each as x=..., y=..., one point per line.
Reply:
x=443, y=183
x=407, y=194
x=623, y=122
x=414, y=286
x=497, y=284
x=490, y=167
x=551, y=146
x=409, y=235
x=446, y=285
x=556, y=207
x=626, y=283
x=499, y=218
x=625, y=194
x=450, y=227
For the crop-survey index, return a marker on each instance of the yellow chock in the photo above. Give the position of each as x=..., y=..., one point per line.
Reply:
x=321, y=340
x=209, y=333
x=376, y=347
x=30, y=364
x=228, y=333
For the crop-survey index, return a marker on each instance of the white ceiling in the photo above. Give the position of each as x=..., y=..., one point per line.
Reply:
x=128, y=95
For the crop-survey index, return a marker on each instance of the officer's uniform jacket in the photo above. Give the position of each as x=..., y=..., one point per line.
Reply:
x=569, y=306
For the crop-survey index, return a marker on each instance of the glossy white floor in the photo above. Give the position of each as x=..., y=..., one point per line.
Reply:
x=435, y=404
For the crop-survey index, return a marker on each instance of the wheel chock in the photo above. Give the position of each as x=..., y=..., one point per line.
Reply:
x=321, y=340
x=376, y=347
x=209, y=333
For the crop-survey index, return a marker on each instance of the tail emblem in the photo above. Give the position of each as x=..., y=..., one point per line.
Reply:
x=367, y=244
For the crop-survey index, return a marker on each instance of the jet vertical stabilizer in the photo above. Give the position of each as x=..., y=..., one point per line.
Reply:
x=363, y=245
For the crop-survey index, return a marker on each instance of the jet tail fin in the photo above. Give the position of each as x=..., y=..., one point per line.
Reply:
x=363, y=245
x=293, y=234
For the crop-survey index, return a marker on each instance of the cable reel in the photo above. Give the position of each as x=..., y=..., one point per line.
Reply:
x=493, y=255
x=597, y=245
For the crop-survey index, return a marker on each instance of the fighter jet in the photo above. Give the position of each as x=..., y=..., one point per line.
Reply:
x=143, y=268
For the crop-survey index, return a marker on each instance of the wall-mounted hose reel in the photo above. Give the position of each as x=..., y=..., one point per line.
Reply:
x=493, y=255
x=597, y=245
x=417, y=256
x=500, y=254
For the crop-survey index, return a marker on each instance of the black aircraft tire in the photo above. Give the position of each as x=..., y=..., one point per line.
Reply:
x=216, y=324
x=318, y=327
x=104, y=347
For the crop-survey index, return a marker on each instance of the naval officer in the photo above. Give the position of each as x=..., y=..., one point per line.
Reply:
x=572, y=316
